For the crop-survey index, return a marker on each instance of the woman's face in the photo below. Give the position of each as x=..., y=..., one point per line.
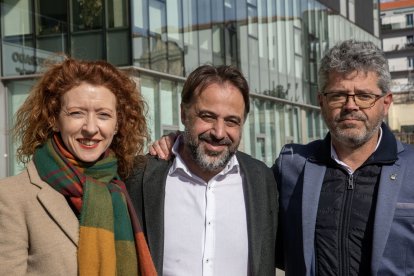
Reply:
x=87, y=121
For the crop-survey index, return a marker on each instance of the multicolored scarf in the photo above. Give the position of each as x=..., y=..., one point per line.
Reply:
x=111, y=241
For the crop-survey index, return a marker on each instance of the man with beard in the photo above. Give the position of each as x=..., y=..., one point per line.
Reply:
x=210, y=210
x=347, y=202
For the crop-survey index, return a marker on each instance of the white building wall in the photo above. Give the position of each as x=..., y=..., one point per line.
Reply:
x=391, y=18
x=400, y=115
x=398, y=64
x=394, y=43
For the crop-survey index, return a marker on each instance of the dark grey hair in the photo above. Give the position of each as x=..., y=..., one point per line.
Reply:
x=351, y=55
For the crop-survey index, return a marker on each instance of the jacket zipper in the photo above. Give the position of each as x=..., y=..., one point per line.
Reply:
x=344, y=227
x=351, y=182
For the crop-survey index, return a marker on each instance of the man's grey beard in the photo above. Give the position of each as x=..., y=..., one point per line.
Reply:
x=202, y=158
x=356, y=140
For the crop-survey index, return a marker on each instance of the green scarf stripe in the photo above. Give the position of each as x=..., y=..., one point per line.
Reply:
x=106, y=172
x=97, y=210
x=122, y=220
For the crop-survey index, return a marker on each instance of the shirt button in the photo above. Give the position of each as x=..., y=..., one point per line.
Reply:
x=207, y=260
x=209, y=222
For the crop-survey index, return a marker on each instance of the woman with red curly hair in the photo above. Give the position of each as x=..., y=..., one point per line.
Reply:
x=68, y=212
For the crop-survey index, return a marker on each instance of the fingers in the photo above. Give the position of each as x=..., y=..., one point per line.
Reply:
x=156, y=150
x=152, y=150
x=162, y=148
x=166, y=145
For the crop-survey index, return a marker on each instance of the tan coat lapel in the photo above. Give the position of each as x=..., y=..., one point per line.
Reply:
x=56, y=205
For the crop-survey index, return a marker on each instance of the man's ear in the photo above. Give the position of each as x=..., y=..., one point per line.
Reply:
x=387, y=102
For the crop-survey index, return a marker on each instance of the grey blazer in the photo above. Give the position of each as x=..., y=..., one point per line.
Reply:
x=147, y=190
x=38, y=230
x=300, y=182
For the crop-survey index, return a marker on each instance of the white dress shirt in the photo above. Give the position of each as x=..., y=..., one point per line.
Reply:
x=205, y=227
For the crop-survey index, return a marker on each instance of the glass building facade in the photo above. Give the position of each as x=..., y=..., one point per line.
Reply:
x=276, y=43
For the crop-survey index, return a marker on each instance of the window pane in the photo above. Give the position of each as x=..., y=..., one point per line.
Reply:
x=87, y=14
x=158, y=36
x=148, y=92
x=118, y=47
x=175, y=38
x=190, y=35
x=252, y=20
x=169, y=103
x=51, y=16
x=18, y=91
x=205, y=32
x=16, y=18
x=409, y=20
x=117, y=13
x=140, y=40
x=51, y=27
x=87, y=46
x=230, y=32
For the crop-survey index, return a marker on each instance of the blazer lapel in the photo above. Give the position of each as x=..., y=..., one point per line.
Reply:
x=390, y=183
x=312, y=184
x=154, y=197
x=56, y=206
x=254, y=214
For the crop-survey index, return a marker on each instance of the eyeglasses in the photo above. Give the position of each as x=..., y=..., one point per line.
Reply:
x=363, y=100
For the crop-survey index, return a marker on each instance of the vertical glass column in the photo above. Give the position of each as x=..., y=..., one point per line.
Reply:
x=118, y=36
x=230, y=32
x=191, y=56
x=148, y=90
x=204, y=23
x=253, y=46
x=219, y=27
x=17, y=94
x=263, y=52
x=140, y=30
x=158, y=36
x=175, y=38
x=19, y=56
x=169, y=104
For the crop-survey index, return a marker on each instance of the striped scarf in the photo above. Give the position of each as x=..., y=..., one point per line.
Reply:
x=111, y=241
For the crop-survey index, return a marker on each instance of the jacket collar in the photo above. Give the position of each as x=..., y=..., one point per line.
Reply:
x=386, y=152
x=55, y=205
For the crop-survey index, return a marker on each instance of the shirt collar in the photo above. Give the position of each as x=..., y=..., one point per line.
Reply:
x=232, y=166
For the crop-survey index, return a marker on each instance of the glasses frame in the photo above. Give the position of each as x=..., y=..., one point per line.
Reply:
x=377, y=97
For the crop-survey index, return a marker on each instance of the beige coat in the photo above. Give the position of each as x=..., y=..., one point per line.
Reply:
x=38, y=230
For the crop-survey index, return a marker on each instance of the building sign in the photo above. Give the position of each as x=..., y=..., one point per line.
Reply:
x=22, y=60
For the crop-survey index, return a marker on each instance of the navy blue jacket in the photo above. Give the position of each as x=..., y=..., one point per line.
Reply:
x=300, y=179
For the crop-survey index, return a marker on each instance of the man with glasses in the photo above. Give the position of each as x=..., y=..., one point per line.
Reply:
x=347, y=202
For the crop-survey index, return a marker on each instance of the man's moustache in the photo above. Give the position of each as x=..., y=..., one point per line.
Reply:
x=210, y=139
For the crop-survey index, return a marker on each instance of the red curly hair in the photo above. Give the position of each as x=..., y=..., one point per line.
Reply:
x=35, y=119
